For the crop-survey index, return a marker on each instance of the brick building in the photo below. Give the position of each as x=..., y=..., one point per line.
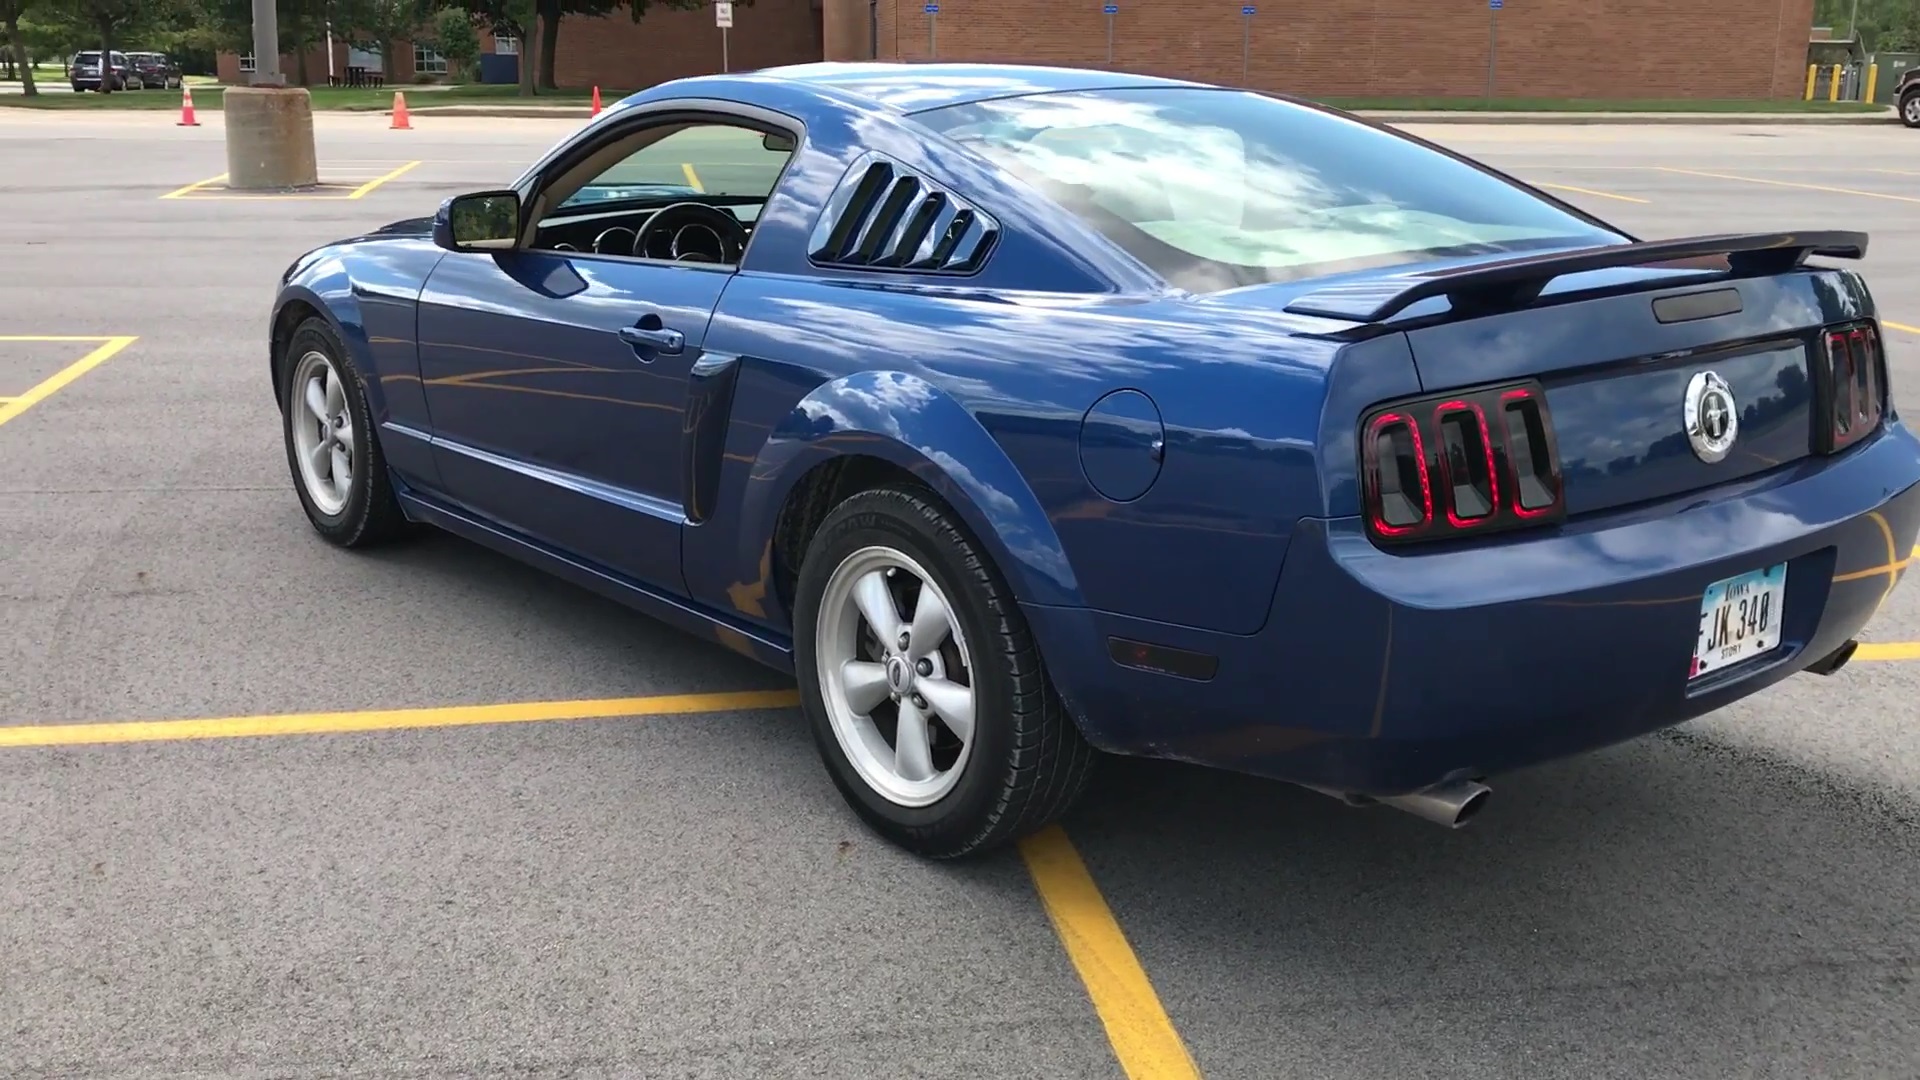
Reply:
x=1399, y=48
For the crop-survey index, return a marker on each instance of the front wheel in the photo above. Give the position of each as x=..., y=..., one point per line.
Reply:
x=332, y=449
x=923, y=685
x=1910, y=109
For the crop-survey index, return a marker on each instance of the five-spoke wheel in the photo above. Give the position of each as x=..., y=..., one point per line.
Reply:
x=924, y=687
x=331, y=446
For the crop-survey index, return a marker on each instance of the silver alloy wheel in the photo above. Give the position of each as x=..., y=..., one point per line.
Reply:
x=881, y=672
x=322, y=432
x=1912, y=108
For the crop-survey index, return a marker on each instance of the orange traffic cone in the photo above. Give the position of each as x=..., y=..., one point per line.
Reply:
x=596, y=101
x=186, y=107
x=400, y=121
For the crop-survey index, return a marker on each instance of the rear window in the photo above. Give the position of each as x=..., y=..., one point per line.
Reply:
x=1214, y=189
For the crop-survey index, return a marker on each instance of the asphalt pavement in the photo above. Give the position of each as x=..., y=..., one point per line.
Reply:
x=682, y=894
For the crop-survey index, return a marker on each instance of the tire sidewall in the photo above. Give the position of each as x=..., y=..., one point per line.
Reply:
x=315, y=336
x=886, y=518
x=1907, y=108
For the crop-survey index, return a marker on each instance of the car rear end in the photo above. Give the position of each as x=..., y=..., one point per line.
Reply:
x=84, y=72
x=1605, y=514
x=1595, y=486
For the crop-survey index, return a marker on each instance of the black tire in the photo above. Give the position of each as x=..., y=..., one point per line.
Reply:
x=1028, y=763
x=371, y=513
x=1910, y=108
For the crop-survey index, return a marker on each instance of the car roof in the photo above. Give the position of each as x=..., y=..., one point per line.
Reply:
x=914, y=87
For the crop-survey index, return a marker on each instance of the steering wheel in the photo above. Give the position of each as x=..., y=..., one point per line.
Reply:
x=691, y=232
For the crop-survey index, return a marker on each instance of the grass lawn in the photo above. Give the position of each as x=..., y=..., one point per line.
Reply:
x=1580, y=105
x=333, y=98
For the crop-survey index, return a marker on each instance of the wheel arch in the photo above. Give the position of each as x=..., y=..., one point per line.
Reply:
x=879, y=427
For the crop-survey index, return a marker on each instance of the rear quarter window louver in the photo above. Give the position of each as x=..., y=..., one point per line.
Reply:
x=884, y=216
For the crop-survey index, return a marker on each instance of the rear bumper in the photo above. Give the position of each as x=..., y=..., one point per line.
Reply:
x=1383, y=673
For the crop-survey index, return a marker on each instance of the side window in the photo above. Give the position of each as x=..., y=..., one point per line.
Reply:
x=612, y=207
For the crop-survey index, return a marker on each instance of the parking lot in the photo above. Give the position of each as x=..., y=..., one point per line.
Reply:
x=438, y=814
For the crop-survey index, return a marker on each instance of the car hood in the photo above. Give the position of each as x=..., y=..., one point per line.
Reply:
x=415, y=226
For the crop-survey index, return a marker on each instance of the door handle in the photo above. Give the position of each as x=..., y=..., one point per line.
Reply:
x=657, y=340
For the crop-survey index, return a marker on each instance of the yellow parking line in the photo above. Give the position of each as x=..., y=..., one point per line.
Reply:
x=233, y=727
x=693, y=178
x=193, y=187
x=1888, y=650
x=13, y=407
x=378, y=180
x=1590, y=191
x=1789, y=184
x=1142, y=1036
x=1891, y=325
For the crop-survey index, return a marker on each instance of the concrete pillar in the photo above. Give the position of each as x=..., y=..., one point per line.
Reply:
x=269, y=138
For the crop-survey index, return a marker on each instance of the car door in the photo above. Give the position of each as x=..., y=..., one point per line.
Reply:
x=557, y=380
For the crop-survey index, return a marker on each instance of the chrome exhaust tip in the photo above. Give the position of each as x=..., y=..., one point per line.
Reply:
x=1451, y=804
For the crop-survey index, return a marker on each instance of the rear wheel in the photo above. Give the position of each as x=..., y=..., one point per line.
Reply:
x=332, y=449
x=1910, y=109
x=926, y=693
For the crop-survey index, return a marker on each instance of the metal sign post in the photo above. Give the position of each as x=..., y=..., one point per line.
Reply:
x=1110, y=11
x=933, y=30
x=723, y=18
x=1246, y=40
x=1493, y=42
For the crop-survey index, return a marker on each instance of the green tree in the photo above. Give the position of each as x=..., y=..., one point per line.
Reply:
x=10, y=13
x=454, y=37
x=377, y=24
x=516, y=19
x=109, y=22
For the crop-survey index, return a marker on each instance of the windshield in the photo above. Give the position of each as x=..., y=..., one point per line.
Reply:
x=1214, y=189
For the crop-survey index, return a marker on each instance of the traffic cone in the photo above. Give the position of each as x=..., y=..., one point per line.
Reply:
x=400, y=121
x=596, y=101
x=186, y=107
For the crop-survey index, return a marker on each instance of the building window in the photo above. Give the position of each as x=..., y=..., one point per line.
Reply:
x=506, y=46
x=246, y=61
x=426, y=61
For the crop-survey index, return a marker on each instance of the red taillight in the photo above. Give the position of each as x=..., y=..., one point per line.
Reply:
x=1851, y=384
x=1464, y=463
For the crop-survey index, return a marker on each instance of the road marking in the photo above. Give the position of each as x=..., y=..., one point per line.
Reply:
x=1891, y=325
x=378, y=180
x=1888, y=650
x=1142, y=1037
x=12, y=407
x=193, y=187
x=1789, y=184
x=1590, y=191
x=333, y=723
x=692, y=177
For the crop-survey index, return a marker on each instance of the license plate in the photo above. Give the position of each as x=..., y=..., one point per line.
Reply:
x=1739, y=619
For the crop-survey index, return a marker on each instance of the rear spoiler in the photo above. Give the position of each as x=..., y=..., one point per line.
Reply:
x=1512, y=283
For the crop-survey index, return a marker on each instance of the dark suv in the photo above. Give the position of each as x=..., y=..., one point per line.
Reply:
x=155, y=69
x=84, y=71
x=1907, y=94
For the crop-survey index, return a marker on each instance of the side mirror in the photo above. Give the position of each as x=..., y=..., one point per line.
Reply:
x=779, y=144
x=482, y=221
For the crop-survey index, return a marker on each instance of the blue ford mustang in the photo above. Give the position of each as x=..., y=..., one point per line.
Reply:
x=1027, y=414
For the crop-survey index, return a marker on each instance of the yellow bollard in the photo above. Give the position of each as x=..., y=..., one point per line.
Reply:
x=1833, y=88
x=1873, y=78
x=1813, y=75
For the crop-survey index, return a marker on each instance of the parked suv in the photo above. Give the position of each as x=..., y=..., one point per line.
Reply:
x=1908, y=95
x=155, y=69
x=84, y=72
